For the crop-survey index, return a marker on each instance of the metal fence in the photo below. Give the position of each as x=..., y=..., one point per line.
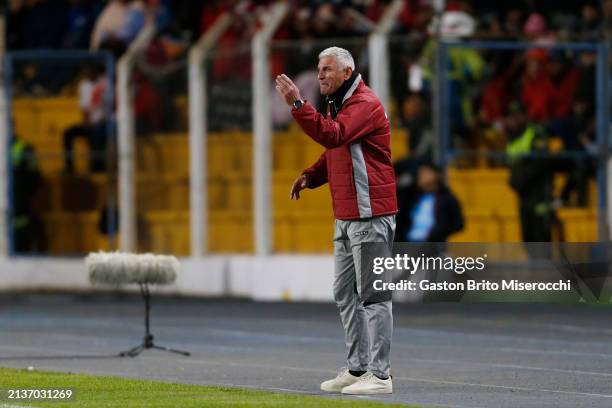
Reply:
x=206, y=151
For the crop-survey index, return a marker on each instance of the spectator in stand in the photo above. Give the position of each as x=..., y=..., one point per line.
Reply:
x=79, y=23
x=187, y=15
x=577, y=127
x=323, y=22
x=578, y=135
x=210, y=12
x=415, y=16
x=590, y=26
x=496, y=94
x=347, y=26
x=33, y=24
x=513, y=22
x=26, y=223
x=531, y=176
x=492, y=28
x=147, y=105
x=301, y=55
x=607, y=20
x=430, y=212
x=231, y=72
x=117, y=25
x=160, y=77
x=536, y=30
x=537, y=90
x=234, y=65
x=92, y=93
x=565, y=77
x=416, y=119
x=466, y=67
x=586, y=64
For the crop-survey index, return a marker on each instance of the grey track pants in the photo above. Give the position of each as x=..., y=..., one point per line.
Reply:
x=367, y=328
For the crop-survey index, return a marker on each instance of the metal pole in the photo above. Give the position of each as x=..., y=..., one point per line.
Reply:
x=125, y=127
x=378, y=53
x=436, y=87
x=2, y=33
x=111, y=214
x=126, y=141
x=262, y=132
x=5, y=140
x=442, y=137
x=604, y=175
x=198, y=132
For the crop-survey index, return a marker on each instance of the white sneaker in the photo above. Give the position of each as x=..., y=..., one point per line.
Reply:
x=343, y=379
x=369, y=384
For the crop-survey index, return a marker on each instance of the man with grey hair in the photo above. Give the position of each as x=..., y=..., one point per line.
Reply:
x=354, y=130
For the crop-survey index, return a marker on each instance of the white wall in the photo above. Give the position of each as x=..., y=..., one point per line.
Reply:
x=278, y=277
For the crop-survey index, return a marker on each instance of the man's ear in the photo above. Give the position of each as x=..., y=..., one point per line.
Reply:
x=348, y=73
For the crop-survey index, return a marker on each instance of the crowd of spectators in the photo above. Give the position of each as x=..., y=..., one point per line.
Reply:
x=483, y=82
x=553, y=87
x=507, y=101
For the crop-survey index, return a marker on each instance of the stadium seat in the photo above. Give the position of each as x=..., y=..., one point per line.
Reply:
x=579, y=224
x=304, y=233
x=164, y=232
x=71, y=233
x=489, y=203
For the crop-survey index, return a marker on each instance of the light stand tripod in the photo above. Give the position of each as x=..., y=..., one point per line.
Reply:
x=147, y=342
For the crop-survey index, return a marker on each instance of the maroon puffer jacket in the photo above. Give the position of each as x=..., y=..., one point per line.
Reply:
x=357, y=159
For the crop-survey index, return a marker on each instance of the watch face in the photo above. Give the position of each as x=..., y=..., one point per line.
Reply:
x=298, y=104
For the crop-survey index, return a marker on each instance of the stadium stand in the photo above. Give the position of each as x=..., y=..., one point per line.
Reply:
x=72, y=205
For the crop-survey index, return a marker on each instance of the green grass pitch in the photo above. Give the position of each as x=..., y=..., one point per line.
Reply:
x=109, y=392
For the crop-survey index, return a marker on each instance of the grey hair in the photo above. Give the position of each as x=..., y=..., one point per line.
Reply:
x=344, y=58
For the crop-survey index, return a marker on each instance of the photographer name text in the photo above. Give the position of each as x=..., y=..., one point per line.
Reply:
x=473, y=285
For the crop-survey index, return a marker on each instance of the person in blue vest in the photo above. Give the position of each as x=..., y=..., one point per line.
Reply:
x=430, y=212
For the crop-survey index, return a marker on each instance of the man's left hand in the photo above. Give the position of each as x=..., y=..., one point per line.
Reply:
x=287, y=89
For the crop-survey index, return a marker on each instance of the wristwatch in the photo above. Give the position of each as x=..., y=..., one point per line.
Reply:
x=298, y=104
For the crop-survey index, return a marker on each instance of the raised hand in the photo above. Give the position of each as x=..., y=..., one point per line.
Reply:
x=287, y=89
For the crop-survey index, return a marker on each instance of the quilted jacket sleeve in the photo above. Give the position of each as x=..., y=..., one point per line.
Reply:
x=353, y=122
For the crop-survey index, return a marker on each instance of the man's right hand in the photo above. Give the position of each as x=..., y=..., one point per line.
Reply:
x=298, y=185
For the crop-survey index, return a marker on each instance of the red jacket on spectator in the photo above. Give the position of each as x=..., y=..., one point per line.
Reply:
x=538, y=95
x=564, y=93
x=357, y=159
x=495, y=98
